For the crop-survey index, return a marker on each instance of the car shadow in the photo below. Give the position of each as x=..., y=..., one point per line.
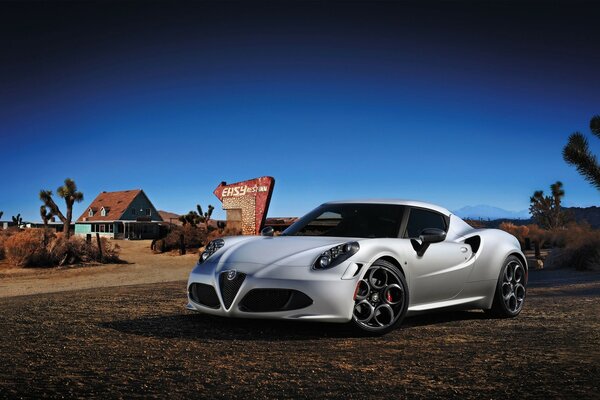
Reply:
x=207, y=327
x=443, y=317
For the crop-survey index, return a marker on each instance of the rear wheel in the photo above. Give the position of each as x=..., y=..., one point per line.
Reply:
x=380, y=299
x=510, y=290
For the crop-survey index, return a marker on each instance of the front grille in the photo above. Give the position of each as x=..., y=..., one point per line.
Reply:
x=204, y=294
x=270, y=300
x=229, y=288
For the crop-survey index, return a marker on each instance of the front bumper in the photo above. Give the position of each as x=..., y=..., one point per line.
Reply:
x=332, y=297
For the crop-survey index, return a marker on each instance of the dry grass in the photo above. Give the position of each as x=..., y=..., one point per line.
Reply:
x=44, y=248
x=575, y=246
x=193, y=237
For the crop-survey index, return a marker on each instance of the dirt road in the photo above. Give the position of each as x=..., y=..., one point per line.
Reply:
x=141, y=266
x=138, y=341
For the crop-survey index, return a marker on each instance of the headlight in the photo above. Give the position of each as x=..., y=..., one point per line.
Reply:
x=210, y=249
x=336, y=255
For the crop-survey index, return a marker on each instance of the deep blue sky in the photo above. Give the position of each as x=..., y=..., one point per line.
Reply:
x=458, y=103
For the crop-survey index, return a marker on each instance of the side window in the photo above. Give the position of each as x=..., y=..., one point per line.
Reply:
x=420, y=219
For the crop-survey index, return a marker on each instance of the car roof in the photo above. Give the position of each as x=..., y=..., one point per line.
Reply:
x=401, y=202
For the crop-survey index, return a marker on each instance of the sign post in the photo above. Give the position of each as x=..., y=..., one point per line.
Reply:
x=247, y=202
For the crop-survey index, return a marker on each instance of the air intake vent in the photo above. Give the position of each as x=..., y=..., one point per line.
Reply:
x=229, y=287
x=271, y=300
x=474, y=242
x=204, y=295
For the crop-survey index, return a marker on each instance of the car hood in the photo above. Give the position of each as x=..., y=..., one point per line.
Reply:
x=284, y=250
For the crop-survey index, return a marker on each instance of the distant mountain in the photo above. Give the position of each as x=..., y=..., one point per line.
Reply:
x=591, y=215
x=170, y=217
x=483, y=211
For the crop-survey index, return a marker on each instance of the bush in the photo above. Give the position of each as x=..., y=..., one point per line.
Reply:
x=582, y=257
x=4, y=235
x=43, y=248
x=574, y=235
x=110, y=251
x=28, y=248
x=194, y=237
x=219, y=233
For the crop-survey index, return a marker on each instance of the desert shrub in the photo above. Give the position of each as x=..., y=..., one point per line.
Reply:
x=193, y=237
x=27, y=248
x=584, y=256
x=539, y=235
x=219, y=233
x=110, y=251
x=576, y=246
x=43, y=248
x=4, y=235
x=75, y=249
x=574, y=235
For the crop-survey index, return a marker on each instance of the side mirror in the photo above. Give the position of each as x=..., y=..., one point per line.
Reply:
x=432, y=235
x=427, y=237
x=267, y=231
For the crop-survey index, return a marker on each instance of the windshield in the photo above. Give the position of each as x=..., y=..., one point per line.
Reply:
x=350, y=220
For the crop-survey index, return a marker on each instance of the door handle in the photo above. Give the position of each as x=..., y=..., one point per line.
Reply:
x=463, y=249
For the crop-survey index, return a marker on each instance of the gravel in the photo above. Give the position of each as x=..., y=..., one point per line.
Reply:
x=139, y=341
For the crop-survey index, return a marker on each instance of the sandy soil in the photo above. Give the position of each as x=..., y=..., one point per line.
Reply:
x=142, y=266
x=140, y=342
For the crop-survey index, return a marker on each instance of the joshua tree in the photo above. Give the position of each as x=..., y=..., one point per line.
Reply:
x=195, y=217
x=17, y=220
x=68, y=192
x=46, y=215
x=205, y=217
x=547, y=210
x=577, y=153
x=191, y=218
x=1, y=214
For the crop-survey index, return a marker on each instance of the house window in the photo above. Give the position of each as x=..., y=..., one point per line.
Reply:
x=103, y=212
x=111, y=228
x=93, y=227
x=102, y=227
x=148, y=212
x=90, y=213
x=133, y=211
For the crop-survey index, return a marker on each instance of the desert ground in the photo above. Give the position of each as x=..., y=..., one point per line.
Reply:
x=120, y=331
x=140, y=266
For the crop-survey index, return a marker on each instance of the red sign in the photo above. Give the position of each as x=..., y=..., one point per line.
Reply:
x=252, y=197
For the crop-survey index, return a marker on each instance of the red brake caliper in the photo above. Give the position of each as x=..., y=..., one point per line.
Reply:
x=389, y=297
x=356, y=290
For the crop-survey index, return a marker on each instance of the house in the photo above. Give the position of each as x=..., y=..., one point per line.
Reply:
x=53, y=225
x=127, y=214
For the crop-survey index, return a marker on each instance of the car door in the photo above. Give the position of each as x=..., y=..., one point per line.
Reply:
x=440, y=274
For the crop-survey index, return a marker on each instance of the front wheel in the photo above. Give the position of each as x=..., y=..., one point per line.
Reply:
x=510, y=290
x=380, y=299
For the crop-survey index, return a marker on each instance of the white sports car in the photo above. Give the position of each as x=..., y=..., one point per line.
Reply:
x=366, y=262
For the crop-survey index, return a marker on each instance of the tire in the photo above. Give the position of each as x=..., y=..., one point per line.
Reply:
x=511, y=289
x=380, y=300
